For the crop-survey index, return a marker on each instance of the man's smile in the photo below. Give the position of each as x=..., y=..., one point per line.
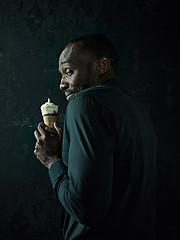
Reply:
x=69, y=95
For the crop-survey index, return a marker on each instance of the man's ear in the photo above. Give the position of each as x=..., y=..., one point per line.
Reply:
x=104, y=65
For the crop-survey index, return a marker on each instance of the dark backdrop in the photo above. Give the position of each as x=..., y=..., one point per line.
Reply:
x=32, y=35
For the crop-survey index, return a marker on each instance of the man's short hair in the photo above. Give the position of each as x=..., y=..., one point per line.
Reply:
x=100, y=46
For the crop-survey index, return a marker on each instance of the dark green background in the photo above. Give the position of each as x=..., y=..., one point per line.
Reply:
x=32, y=35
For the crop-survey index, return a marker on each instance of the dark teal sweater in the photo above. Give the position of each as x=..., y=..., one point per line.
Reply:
x=106, y=178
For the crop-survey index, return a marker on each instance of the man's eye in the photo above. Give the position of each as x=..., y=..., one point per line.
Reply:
x=68, y=71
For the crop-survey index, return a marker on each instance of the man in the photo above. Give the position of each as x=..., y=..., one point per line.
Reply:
x=102, y=167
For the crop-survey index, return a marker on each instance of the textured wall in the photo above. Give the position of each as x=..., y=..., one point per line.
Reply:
x=32, y=34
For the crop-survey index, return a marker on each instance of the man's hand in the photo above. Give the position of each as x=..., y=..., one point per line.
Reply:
x=48, y=147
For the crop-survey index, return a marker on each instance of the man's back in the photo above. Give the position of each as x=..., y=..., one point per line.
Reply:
x=111, y=135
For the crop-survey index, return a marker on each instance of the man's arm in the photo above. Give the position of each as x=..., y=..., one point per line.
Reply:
x=85, y=191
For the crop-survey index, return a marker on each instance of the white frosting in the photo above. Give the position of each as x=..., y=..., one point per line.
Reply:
x=49, y=108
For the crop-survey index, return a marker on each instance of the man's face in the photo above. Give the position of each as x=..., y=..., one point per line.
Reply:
x=78, y=68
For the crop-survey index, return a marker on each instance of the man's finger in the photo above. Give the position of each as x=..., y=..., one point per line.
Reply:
x=51, y=130
x=36, y=146
x=41, y=129
x=58, y=129
x=37, y=135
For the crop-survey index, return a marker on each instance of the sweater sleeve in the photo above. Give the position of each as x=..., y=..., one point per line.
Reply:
x=85, y=190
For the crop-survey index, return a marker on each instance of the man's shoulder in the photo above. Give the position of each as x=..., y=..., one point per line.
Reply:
x=108, y=96
x=83, y=100
x=87, y=95
x=98, y=93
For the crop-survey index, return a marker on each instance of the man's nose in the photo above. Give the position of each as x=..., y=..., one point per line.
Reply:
x=63, y=84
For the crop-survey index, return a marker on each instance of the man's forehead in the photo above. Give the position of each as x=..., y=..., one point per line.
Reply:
x=70, y=51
